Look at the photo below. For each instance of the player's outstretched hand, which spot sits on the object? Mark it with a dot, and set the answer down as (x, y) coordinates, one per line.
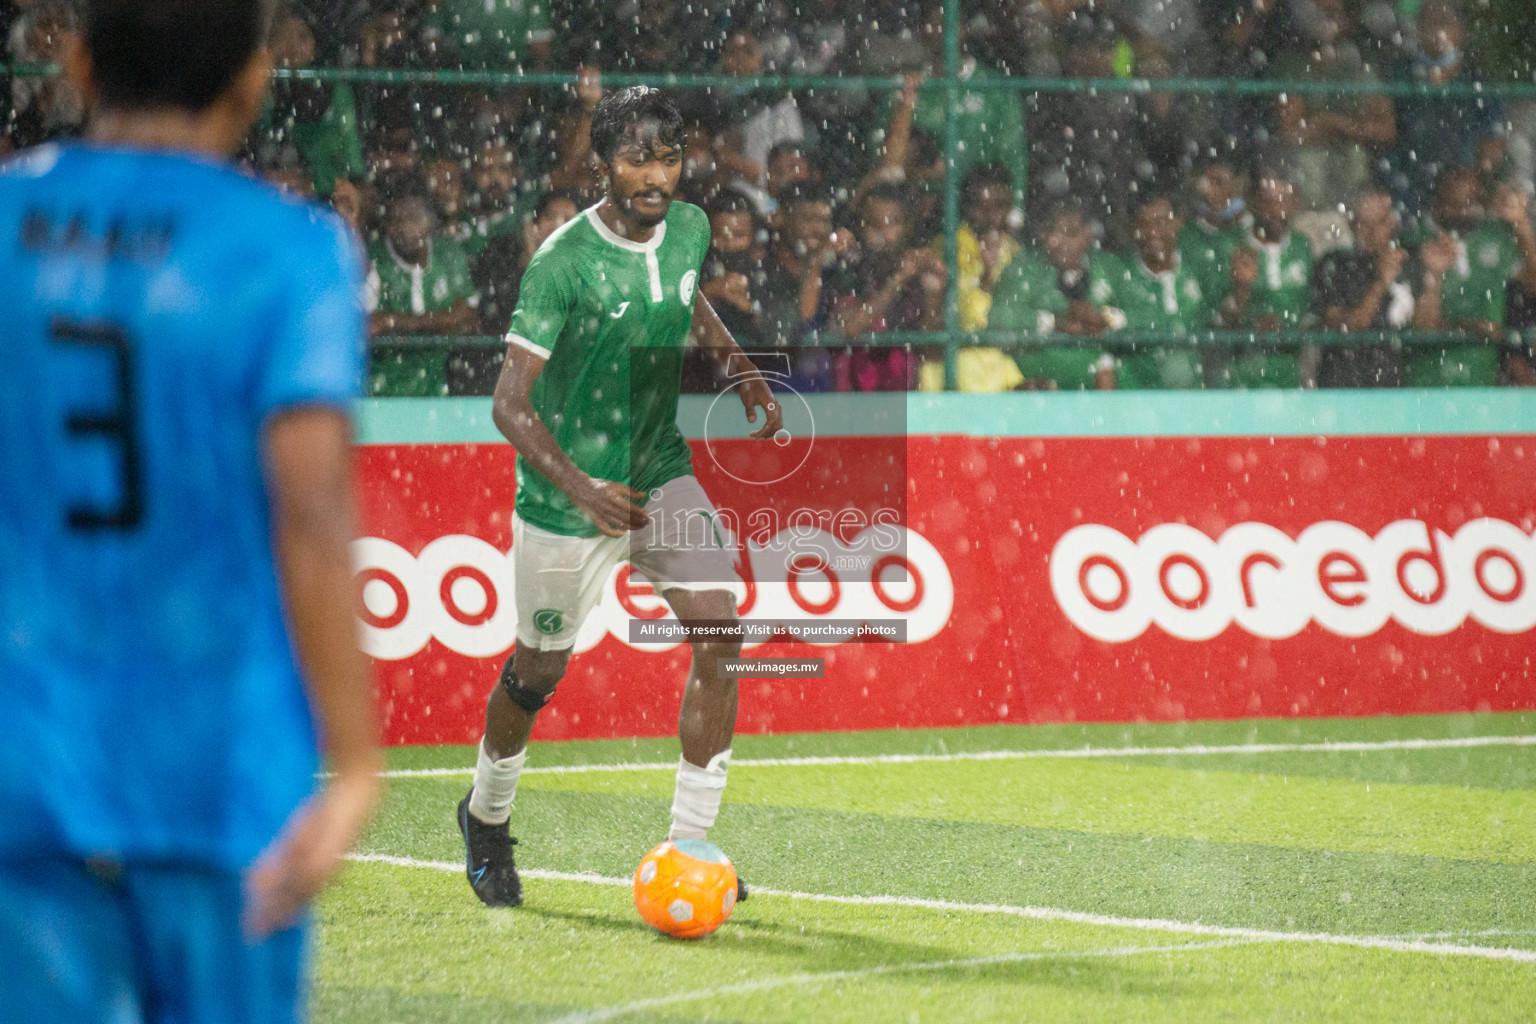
(756, 394)
(304, 858)
(613, 507)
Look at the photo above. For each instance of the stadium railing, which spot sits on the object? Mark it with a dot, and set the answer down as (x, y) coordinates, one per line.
(952, 339)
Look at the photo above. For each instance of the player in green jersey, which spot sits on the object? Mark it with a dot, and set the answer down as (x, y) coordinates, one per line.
(588, 397)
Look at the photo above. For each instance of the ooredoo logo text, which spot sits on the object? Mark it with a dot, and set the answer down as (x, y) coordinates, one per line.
(1272, 585)
(461, 590)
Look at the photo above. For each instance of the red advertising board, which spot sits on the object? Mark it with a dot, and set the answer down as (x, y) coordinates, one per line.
(1051, 580)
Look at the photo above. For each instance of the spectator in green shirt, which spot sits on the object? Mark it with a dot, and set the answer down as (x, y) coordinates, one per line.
(1045, 291)
(492, 34)
(1150, 289)
(420, 277)
(1469, 260)
(990, 122)
(418, 283)
(317, 119)
(500, 200)
(330, 143)
(503, 220)
(497, 260)
(1271, 290)
(1220, 222)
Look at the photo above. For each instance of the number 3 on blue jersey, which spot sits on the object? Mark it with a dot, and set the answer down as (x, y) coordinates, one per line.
(115, 425)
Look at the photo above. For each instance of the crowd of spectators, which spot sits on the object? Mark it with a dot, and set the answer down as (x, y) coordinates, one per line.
(1094, 217)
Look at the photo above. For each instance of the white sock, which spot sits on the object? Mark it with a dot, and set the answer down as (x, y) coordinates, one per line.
(495, 786)
(696, 801)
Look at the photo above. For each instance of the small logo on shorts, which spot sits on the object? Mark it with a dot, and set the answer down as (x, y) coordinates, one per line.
(709, 517)
(548, 621)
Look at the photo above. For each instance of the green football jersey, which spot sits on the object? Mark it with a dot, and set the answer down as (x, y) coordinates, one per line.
(1284, 286)
(1208, 252)
(489, 33)
(1172, 302)
(332, 147)
(1283, 291)
(476, 234)
(989, 124)
(395, 286)
(612, 317)
(1028, 298)
(1473, 289)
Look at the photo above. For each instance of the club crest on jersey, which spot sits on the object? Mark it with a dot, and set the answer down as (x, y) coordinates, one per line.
(685, 289)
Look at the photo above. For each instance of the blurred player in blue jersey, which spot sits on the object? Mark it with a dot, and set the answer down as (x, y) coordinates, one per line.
(179, 351)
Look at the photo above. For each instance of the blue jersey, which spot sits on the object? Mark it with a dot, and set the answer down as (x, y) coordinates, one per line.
(159, 310)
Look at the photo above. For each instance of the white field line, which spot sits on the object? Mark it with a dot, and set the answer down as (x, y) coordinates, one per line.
(812, 980)
(1395, 945)
(1340, 747)
(1468, 934)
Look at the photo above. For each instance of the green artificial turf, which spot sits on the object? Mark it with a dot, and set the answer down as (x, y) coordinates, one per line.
(1432, 844)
